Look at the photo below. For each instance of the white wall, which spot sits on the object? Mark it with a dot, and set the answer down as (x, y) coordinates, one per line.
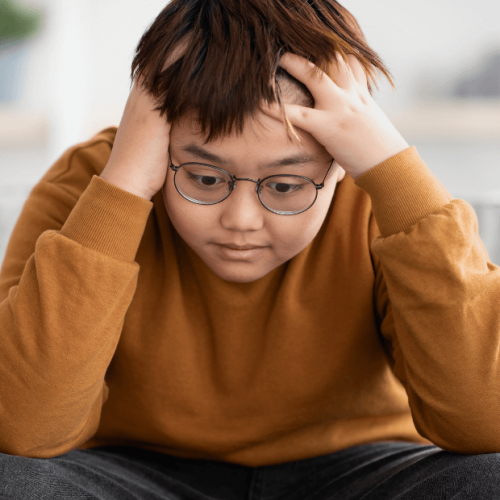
(435, 39)
(78, 73)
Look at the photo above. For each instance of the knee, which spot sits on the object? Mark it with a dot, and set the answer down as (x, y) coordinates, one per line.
(479, 475)
(485, 468)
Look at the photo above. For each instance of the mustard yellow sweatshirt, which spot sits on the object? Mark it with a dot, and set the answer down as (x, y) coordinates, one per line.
(114, 332)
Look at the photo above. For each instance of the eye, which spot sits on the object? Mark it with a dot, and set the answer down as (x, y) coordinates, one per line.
(206, 180)
(284, 188)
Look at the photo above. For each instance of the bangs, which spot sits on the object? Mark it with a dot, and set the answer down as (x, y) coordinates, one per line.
(232, 51)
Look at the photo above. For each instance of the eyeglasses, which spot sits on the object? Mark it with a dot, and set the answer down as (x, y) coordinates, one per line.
(283, 194)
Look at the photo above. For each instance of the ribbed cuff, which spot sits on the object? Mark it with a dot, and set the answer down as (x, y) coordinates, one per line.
(403, 191)
(108, 220)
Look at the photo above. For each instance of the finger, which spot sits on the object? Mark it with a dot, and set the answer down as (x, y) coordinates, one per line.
(358, 70)
(318, 82)
(340, 72)
(272, 110)
(298, 116)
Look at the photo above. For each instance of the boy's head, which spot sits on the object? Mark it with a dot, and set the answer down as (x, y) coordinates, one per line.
(213, 96)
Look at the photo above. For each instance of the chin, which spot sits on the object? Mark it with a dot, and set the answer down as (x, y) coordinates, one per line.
(239, 273)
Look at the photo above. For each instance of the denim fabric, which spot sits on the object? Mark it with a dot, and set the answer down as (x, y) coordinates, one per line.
(376, 471)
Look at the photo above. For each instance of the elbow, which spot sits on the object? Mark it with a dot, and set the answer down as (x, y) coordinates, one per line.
(467, 436)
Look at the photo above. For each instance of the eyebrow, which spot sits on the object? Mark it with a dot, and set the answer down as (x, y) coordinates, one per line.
(295, 159)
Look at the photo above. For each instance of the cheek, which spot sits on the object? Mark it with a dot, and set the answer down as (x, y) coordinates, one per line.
(299, 230)
(294, 233)
(291, 234)
(191, 221)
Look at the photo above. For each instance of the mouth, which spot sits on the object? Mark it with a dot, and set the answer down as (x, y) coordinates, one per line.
(233, 246)
(232, 252)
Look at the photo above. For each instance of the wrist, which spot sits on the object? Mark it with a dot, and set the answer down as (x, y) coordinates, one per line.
(125, 185)
(391, 150)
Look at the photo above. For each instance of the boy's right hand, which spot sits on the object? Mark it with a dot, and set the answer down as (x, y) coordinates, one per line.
(139, 158)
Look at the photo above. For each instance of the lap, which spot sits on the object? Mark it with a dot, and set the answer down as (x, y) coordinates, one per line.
(105, 473)
(441, 475)
(385, 471)
(376, 471)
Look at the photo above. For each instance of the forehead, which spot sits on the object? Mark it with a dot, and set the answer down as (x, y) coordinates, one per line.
(297, 158)
(261, 136)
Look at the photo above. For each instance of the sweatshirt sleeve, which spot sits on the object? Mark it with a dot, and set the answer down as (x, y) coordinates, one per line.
(437, 299)
(67, 280)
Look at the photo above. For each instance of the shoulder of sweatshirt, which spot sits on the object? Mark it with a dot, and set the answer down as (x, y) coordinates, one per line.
(74, 169)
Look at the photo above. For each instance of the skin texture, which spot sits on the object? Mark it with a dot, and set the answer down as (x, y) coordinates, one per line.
(139, 158)
(241, 219)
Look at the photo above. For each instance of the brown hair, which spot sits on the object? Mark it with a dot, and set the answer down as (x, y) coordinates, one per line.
(230, 63)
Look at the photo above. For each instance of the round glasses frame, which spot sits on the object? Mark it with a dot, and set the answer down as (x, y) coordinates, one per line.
(232, 186)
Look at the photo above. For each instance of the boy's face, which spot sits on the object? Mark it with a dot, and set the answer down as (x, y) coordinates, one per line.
(241, 219)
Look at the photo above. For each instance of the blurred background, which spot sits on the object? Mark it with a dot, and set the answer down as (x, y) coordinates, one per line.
(64, 76)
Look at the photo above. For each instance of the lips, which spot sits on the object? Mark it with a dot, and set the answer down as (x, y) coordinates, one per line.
(233, 246)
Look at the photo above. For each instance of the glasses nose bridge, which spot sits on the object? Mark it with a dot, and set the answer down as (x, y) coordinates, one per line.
(257, 182)
(245, 179)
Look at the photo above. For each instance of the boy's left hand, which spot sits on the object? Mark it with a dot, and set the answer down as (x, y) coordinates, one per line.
(345, 118)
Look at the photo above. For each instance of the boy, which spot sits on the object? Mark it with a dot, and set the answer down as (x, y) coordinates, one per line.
(191, 310)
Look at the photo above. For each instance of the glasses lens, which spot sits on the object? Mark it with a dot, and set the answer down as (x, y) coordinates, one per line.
(202, 183)
(287, 194)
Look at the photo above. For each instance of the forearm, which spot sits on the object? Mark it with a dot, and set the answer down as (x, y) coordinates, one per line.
(443, 294)
(60, 328)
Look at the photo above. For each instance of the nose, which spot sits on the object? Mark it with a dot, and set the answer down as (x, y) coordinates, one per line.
(242, 210)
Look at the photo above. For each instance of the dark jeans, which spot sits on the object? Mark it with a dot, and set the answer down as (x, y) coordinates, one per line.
(383, 470)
